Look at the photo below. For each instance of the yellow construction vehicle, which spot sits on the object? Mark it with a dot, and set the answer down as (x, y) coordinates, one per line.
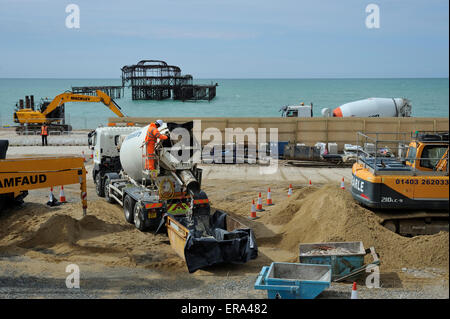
(410, 192)
(19, 175)
(53, 112)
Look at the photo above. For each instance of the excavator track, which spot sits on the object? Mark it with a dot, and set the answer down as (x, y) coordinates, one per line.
(415, 223)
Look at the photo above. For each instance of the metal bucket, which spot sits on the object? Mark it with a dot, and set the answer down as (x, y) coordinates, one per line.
(293, 280)
(343, 257)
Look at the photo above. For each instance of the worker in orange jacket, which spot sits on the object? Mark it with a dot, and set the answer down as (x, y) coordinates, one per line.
(150, 140)
(44, 134)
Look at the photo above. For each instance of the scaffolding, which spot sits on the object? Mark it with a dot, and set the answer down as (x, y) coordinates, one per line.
(156, 80)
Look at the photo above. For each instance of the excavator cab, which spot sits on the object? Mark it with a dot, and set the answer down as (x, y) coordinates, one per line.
(428, 152)
(409, 193)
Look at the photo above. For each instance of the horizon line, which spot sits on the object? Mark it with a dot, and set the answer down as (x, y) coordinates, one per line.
(236, 78)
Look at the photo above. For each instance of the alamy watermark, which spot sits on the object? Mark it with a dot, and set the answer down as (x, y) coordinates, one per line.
(73, 280)
(373, 279)
(73, 17)
(238, 146)
(373, 19)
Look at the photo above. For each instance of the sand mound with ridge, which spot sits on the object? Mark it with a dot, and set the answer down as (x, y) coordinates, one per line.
(64, 229)
(329, 214)
(315, 214)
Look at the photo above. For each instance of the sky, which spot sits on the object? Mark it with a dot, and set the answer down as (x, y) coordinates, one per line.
(226, 38)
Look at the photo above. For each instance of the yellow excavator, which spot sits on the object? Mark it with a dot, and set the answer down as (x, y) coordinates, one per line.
(409, 192)
(53, 112)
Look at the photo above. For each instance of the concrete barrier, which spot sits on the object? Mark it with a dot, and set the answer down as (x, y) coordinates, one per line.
(55, 140)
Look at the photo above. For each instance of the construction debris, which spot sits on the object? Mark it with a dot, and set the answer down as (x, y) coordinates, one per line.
(329, 251)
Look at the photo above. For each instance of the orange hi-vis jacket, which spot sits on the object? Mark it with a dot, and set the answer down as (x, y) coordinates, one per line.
(44, 130)
(150, 139)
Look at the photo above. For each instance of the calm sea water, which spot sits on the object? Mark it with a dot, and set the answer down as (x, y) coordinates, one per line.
(235, 98)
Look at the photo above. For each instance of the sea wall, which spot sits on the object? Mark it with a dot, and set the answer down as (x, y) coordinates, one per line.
(307, 130)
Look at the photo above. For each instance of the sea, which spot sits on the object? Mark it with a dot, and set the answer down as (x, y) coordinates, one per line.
(235, 97)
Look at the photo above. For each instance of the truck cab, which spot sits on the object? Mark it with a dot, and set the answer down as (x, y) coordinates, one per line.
(105, 145)
(297, 110)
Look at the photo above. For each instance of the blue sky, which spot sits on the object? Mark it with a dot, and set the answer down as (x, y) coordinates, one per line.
(226, 38)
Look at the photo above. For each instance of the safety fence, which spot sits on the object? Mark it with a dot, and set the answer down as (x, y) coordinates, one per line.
(55, 139)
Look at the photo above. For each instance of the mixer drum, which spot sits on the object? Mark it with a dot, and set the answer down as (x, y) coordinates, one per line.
(131, 154)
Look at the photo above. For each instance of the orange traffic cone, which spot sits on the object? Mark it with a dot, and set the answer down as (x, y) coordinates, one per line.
(310, 182)
(290, 190)
(269, 198)
(62, 197)
(253, 211)
(259, 207)
(354, 292)
(342, 184)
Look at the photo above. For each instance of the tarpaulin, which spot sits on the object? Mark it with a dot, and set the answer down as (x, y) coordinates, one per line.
(220, 245)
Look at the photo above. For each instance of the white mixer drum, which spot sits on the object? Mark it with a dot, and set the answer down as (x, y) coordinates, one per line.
(372, 107)
(131, 153)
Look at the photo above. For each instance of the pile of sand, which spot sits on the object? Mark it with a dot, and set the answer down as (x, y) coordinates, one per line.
(62, 234)
(64, 229)
(324, 214)
(329, 214)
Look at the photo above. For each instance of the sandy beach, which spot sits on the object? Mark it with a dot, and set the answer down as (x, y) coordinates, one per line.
(37, 242)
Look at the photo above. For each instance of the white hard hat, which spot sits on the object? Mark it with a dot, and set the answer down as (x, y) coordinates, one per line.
(159, 122)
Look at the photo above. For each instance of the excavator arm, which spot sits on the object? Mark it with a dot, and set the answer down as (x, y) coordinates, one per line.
(73, 97)
(442, 165)
(110, 103)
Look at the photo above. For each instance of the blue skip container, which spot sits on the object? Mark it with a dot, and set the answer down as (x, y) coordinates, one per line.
(344, 257)
(293, 280)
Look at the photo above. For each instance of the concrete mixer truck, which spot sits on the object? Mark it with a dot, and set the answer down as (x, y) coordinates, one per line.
(170, 197)
(120, 177)
(371, 107)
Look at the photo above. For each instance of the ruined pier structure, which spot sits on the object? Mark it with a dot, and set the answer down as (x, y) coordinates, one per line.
(115, 92)
(156, 80)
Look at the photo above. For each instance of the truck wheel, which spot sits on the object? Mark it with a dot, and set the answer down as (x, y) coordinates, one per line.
(153, 223)
(106, 190)
(139, 220)
(99, 188)
(128, 209)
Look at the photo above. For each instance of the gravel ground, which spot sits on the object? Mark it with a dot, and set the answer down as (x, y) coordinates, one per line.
(98, 281)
